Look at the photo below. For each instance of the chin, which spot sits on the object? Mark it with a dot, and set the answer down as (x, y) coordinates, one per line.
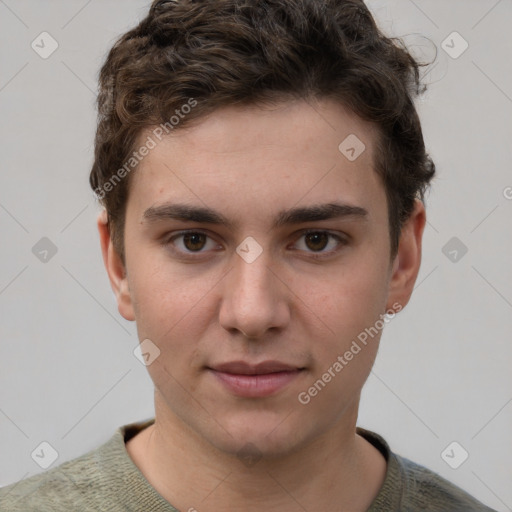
(262, 433)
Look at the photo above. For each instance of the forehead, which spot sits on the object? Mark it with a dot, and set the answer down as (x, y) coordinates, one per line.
(294, 152)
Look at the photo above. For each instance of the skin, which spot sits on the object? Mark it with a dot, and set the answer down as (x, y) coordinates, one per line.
(208, 307)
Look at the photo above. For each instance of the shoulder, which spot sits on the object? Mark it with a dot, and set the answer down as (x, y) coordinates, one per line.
(77, 484)
(60, 488)
(409, 486)
(419, 488)
(426, 490)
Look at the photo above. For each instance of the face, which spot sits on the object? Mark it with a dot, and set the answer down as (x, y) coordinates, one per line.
(251, 238)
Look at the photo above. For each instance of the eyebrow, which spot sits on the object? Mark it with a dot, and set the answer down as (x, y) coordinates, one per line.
(297, 215)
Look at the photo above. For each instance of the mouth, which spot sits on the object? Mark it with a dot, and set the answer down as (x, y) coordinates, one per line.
(253, 381)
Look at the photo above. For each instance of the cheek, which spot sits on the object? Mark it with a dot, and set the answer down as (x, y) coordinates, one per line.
(349, 308)
(173, 314)
(350, 301)
(174, 310)
(166, 300)
(344, 357)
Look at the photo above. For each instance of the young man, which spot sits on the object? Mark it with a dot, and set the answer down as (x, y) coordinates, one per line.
(263, 171)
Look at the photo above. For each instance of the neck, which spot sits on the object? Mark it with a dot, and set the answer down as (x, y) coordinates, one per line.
(337, 471)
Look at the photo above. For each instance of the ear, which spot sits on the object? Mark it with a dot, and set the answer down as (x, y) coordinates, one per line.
(406, 264)
(115, 269)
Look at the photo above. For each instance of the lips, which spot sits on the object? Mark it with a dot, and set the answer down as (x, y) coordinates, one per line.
(243, 368)
(254, 381)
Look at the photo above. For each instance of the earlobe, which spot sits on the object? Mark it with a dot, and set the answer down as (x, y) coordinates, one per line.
(407, 262)
(115, 269)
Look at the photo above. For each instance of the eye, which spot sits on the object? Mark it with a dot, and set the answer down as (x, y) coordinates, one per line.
(191, 242)
(316, 243)
(322, 242)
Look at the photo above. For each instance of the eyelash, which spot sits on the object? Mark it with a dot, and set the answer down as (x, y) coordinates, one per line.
(169, 241)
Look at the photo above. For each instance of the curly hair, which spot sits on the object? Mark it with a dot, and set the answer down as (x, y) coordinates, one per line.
(212, 54)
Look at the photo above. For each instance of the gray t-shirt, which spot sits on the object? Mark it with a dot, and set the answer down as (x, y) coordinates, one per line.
(106, 479)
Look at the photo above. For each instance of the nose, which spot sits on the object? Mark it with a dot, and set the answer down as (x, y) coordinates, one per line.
(255, 300)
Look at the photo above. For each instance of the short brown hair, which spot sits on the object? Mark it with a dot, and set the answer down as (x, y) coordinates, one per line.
(249, 52)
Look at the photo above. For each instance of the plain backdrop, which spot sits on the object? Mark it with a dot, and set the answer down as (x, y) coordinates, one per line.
(68, 375)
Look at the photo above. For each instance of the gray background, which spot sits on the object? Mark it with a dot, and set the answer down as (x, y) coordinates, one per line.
(68, 375)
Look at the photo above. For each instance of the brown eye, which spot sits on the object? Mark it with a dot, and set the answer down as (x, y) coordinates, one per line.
(317, 241)
(191, 244)
(194, 241)
(320, 244)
